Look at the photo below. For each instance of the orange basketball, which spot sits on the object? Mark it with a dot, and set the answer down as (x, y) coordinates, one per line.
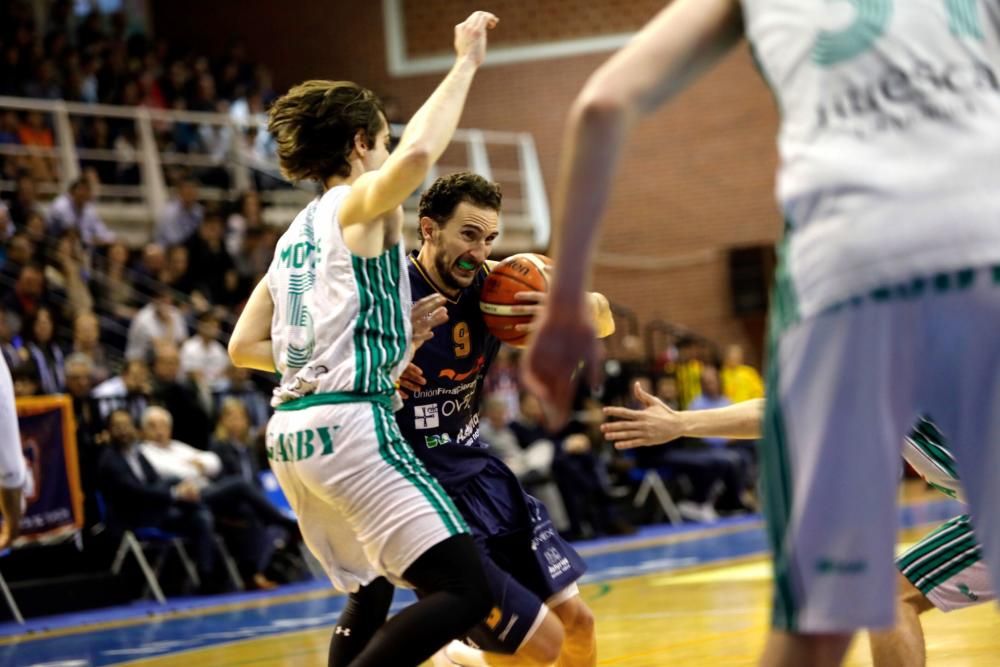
(517, 273)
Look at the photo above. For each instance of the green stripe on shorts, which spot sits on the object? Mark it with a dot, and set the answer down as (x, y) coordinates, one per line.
(398, 454)
(776, 478)
(941, 555)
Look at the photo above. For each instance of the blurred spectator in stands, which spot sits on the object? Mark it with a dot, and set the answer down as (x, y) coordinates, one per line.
(250, 112)
(181, 216)
(9, 333)
(44, 352)
(75, 209)
(67, 271)
(158, 320)
(234, 442)
(87, 343)
(245, 217)
(178, 275)
(29, 293)
(35, 134)
(740, 382)
(36, 229)
(96, 135)
(6, 224)
(43, 83)
(130, 390)
(212, 269)
(229, 496)
(152, 263)
(204, 360)
(25, 377)
(502, 381)
(687, 370)
(137, 496)
(114, 287)
(126, 168)
(239, 384)
(711, 396)
(79, 372)
(20, 250)
(179, 396)
(25, 200)
(9, 124)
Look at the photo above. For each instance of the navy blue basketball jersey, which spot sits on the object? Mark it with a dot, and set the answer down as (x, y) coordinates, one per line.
(441, 422)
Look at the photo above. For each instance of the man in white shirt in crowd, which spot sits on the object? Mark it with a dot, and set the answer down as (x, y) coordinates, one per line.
(171, 458)
(203, 358)
(75, 209)
(160, 319)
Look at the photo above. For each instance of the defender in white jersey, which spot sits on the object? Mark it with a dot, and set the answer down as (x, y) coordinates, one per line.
(332, 316)
(887, 295)
(944, 570)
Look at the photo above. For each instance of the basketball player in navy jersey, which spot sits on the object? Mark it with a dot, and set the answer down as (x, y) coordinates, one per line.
(540, 618)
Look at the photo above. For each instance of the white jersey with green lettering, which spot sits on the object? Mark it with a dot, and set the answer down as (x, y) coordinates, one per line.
(889, 141)
(341, 323)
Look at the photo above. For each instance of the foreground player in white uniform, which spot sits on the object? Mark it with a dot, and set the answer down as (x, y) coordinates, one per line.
(333, 316)
(944, 570)
(13, 472)
(887, 299)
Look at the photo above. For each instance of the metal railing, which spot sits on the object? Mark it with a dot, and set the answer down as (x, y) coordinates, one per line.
(213, 147)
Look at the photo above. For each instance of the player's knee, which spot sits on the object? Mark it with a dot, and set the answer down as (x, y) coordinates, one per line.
(577, 619)
(545, 645)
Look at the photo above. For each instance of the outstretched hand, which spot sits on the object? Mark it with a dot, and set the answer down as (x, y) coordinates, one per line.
(655, 424)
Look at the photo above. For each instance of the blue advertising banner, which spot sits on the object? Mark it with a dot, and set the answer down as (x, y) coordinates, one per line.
(53, 494)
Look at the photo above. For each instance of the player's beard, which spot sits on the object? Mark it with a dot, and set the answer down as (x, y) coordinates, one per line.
(444, 270)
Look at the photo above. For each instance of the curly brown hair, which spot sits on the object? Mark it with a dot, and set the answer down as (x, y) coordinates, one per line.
(441, 199)
(314, 125)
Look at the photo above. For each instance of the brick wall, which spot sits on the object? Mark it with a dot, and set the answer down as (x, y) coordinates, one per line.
(697, 177)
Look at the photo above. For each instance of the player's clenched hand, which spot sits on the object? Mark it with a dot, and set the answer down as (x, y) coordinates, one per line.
(411, 380)
(470, 36)
(656, 424)
(564, 338)
(532, 303)
(426, 314)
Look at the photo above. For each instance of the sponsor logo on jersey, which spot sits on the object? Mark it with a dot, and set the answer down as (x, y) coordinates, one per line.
(426, 416)
(898, 98)
(558, 564)
(433, 441)
(452, 374)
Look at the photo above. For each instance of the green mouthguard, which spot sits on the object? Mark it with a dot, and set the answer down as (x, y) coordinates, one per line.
(466, 265)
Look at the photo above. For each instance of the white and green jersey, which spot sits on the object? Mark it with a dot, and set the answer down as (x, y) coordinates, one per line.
(341, 323)
(925, 449)
(889, 141)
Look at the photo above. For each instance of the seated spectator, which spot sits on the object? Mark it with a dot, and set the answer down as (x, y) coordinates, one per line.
(179, 277)
(44, 353)
(29, 293)
(182, 215)
(212, 269)
(158, 320)
(179, 396)
(740, 382)
(234, 443)
(138, 497)
(13, 354)
(78, 371)
(66, 271)
(25, 377)
(34, 133)
(20, 250)
(152, 262)
(87, 342)
(131, 390)
(75, 209)
(203, 358)
(239, 384)
(246, 217)
(229, 496)
(114, 291)
(25, 202)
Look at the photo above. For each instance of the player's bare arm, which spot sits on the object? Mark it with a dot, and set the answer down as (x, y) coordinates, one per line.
(681, 42)
(658, 423)
(250, 344)
(10, 509)
(427, 134)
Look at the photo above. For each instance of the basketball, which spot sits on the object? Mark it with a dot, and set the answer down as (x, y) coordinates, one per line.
(518, 273)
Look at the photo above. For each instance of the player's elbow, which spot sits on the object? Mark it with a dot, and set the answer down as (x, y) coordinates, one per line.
(600, 107)
(414, 159)
(237, 349)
